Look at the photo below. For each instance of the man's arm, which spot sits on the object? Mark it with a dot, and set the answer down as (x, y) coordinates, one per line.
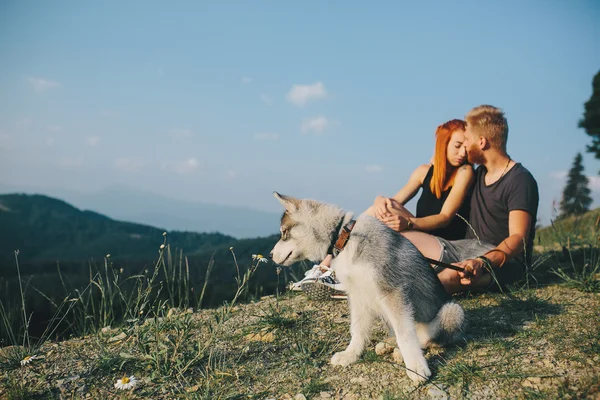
(519, 222)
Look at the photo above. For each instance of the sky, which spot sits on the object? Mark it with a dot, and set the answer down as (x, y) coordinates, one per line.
(226, 102)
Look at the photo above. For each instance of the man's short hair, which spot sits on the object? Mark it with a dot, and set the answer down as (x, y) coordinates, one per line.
(489, 122)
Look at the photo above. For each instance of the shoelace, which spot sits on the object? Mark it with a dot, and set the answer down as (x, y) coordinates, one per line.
(312, 273)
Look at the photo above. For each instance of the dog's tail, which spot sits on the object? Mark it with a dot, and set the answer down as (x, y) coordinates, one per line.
(448, 325)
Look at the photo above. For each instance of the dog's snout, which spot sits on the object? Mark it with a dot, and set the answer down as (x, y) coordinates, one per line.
(271, 255)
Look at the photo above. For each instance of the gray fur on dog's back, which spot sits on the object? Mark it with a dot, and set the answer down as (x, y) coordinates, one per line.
(403, 268)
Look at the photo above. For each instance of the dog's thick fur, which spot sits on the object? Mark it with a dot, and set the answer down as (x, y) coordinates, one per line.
(383, 274)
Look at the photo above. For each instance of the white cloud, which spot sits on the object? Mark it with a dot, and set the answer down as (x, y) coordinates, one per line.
(316, 124)
(108, 113)
(186, 166)
(181, 132)
(231, 174)
(49, 141)
(93, 141)
(5, 141)
(246, 80)
(70, 162)
(41, 84)
(266, 99)
(129, 165)
(266, 136)
(299, 95)
(558, 175)
(374, 168)
(53, 128)
(594, 182)
(561, 177)
(24, 123)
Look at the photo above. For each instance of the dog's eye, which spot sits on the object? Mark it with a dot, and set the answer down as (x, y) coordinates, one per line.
(284, 234)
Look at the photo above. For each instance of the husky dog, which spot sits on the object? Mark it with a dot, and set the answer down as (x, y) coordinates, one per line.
(384, 276)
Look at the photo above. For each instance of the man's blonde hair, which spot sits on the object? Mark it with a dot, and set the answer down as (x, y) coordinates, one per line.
(489, 122)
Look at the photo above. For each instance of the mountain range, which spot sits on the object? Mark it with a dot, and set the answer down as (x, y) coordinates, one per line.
(128, 204)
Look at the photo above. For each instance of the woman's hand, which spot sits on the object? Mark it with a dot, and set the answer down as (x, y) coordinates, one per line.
(396, 222)
(381, 207)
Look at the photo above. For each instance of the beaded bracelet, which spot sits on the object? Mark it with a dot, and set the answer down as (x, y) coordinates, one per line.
(487, 260)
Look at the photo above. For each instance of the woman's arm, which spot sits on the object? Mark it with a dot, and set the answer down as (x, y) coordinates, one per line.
(462, 182)
(383, 206)
(413, 185)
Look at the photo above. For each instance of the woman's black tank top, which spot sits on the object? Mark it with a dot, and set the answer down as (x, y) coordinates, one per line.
(428, 204)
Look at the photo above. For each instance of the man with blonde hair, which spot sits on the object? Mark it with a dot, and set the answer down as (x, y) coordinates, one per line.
(504, 208)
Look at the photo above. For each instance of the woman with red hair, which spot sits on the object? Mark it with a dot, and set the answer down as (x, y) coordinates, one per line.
(446, 186)
(445, 182)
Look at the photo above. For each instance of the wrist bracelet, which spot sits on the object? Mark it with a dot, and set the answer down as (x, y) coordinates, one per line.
(486, 261)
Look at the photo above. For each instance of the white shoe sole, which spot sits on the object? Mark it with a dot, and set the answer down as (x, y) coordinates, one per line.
(316, 290)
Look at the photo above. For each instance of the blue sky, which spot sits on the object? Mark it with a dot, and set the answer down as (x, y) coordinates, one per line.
(224, 102)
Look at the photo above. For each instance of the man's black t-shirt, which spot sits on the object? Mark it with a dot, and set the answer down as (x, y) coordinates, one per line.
(490, 205)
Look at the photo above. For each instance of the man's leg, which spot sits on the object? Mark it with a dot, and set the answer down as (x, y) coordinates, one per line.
(430, 246)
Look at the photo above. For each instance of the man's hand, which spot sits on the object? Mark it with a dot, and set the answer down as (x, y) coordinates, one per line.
(473, 270)
(396, 222)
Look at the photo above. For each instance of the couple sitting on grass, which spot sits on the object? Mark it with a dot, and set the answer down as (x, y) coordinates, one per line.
(499, 200)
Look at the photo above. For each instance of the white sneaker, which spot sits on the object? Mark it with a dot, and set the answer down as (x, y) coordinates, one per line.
(325, 287)
(312, 274)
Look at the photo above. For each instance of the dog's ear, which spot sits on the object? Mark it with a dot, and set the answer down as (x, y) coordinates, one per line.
(291, 204)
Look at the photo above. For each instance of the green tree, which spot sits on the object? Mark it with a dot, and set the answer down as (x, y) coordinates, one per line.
(576, 195)
(591, 117)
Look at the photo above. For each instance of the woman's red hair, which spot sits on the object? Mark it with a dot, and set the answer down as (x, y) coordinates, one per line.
(443, 172)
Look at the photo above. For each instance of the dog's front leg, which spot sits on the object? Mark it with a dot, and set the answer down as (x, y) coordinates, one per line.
(403, 324)
(361, 321)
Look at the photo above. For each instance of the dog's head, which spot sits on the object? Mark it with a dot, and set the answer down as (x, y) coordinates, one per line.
(307, 228)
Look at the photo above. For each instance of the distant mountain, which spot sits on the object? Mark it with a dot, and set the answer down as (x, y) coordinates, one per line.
(124, 203)
(46, 229)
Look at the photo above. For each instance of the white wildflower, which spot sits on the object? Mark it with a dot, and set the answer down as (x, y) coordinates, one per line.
(28, 359)
(259, 258)
(126, 383)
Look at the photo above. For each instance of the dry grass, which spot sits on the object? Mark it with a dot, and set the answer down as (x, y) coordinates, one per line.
(540, 340)
(533, 343)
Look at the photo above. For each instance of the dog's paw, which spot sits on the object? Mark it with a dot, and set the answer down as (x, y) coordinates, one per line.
(344, 358)
(383, 348)
(397, 356)
(418, 371)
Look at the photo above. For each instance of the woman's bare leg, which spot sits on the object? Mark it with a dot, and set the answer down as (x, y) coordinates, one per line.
(427, 244)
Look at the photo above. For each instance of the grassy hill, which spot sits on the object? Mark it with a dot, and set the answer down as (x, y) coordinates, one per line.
(45, 229)
(63, 250)
(537, 339)
(576, 230)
